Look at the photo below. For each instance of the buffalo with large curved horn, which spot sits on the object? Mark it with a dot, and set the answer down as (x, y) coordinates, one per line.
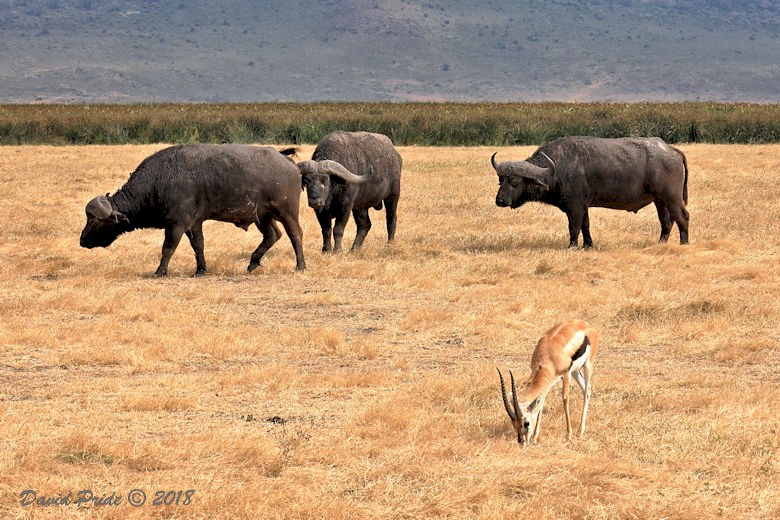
(349, 174)
(179, 187)
(625, 174)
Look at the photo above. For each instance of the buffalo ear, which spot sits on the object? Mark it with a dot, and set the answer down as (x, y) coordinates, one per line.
(119, 217)
(537, 181)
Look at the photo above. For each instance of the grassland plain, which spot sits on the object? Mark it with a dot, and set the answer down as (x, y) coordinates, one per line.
(365, 387)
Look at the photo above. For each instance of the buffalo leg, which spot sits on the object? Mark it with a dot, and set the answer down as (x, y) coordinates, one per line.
(325, 224)
(270, 233)
(173, 235)
(680, 215)
(587, 242)
(363, 223)
(666, 220)
(391, 208)
(295, 233)
(575, 225)
(195, 234)
(338, 229)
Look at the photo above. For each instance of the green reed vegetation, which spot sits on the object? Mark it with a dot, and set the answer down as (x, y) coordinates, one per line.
(444, 124)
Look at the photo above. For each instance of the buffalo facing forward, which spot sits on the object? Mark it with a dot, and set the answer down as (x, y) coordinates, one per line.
(351, 172)
(576, 173)
(178, 188)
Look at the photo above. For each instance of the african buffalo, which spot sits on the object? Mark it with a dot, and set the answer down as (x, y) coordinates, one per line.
(352, 172)
(576, 173)
(177, 188)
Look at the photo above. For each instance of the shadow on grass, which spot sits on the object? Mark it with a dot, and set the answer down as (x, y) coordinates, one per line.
(494, 243)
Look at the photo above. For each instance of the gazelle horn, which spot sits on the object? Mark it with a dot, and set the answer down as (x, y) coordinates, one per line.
(503, 395)
(514, 395)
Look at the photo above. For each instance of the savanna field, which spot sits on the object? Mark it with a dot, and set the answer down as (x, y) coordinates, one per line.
(366, 386)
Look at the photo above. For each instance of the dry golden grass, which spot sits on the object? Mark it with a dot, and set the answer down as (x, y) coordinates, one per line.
(365, 387)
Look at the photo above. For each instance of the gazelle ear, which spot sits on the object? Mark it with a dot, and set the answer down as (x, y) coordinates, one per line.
(533, 405)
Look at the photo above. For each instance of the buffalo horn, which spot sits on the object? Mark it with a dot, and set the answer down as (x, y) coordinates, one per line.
(335, 168)
(503, 395)
(308, 167)
(493, 161)
(100, 207)
(552, 163)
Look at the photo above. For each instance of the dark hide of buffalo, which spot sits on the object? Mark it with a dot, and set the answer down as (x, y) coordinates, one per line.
(351, 172)
(178, 188)
(577, 173)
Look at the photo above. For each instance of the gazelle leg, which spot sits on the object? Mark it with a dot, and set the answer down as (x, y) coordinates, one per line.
(586, 371)
(538, 426)
(566, 383)
(580, 380)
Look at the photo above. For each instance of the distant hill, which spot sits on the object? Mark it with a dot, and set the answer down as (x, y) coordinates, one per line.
(86, 51)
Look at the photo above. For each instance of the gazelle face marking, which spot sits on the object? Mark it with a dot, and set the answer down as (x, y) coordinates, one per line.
(526, 423)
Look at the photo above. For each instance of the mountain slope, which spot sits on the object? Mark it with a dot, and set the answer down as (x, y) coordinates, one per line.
(147, 50)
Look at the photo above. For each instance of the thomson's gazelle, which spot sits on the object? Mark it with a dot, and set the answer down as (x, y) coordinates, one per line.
(564, 351)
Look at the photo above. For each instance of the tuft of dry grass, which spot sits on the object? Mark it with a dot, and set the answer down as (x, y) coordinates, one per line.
(365, 387)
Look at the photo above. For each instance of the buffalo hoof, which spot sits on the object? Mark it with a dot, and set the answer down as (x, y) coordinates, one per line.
(199, 273)
(160, 274)
(252, 266)
(300, 266)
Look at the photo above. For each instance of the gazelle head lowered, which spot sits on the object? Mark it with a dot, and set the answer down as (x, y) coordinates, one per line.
(523, 415)
(565, 351)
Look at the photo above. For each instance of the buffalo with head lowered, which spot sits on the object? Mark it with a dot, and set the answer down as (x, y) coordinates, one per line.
(179, 187)
(577, 173)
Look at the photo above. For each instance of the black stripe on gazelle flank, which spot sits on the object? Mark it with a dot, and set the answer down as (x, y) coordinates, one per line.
(581, 351)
